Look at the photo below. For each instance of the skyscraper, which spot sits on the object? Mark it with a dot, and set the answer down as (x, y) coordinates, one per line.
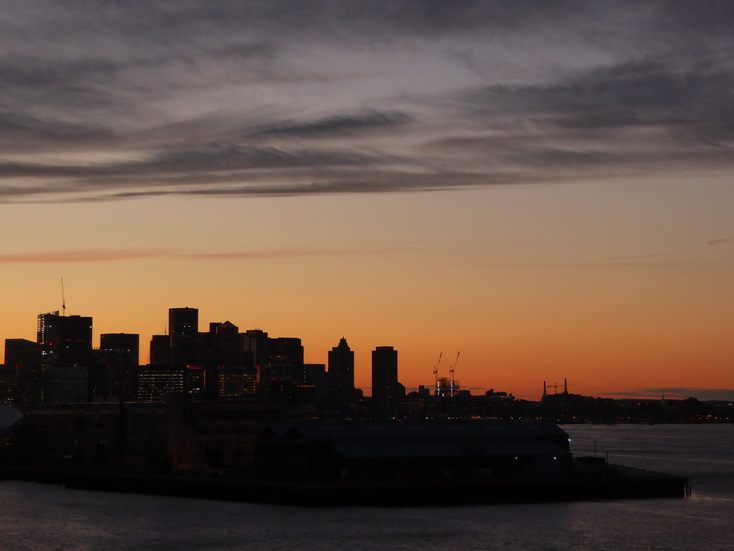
(386, 390)
(225, 344)
(341, 373)
(160, 350)
(183, 329)
(286, 360)
(24, 358)
(125, 347)
(65, 340)
(119, 353)
(256, 351)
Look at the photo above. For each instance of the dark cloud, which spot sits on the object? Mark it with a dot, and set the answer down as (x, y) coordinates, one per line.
(215, 158)
(629, 118)
(336, 125)
(209, 163)
(288, 97)
(631, 94)
(22, 132)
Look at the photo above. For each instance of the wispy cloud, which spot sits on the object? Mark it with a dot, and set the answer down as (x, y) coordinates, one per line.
(338, 125)
(107, 255)
(291, 97)
(717, 242)
(87, 255)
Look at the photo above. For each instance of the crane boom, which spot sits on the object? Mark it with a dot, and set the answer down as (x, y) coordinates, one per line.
(435, 371)
(452, 370)
(63, 299)
(453, 367)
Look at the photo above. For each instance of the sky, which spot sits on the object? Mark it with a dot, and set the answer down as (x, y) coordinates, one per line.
(543, 189)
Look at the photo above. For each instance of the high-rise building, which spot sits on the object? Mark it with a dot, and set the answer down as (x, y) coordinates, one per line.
(183, 330)
(160, 350)
(67, 384)
(286, 360)
(341, 373)
(119, 354)
(236, 382)
(24, 357)
(65, 340)
(154, 384)
(256, 351)
(124, 345)
(386, 390)
(225, 344)
(315, 375)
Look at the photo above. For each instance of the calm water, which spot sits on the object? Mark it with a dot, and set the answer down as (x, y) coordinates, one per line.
(35, 516)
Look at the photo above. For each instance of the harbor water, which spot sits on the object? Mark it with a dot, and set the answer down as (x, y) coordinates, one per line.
(41, 517)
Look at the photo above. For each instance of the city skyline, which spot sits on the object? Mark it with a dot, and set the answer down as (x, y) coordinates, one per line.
(185, 321)
(545, 187)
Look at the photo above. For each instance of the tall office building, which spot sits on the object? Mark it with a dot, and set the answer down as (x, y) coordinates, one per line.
(386, 390)
(65, 340)
(340, 376)
(119, 356)
(286, 360)
(125, 347)
(255, 352)
(183, 330)
(236, 382)
(24, 357)
(225, 344)
(160, 350)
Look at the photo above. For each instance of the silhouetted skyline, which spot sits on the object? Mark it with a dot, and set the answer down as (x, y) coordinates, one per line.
(544, 186)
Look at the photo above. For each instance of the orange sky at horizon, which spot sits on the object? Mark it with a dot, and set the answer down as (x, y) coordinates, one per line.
(613, 309)
(545, 187)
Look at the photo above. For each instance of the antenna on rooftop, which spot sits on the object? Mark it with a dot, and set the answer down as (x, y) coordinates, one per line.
(63, 299)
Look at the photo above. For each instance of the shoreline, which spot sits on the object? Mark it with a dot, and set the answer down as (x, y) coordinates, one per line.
(616, 482)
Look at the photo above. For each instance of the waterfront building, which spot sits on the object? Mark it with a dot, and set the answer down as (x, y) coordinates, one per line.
(390, 451)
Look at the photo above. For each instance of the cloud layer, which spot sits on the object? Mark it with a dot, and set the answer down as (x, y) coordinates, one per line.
(104, 101)
(106, 255)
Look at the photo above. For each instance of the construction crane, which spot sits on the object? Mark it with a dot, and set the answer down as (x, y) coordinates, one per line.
(63, 299)
(555, 387)
(435, 373)
(451, 372)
